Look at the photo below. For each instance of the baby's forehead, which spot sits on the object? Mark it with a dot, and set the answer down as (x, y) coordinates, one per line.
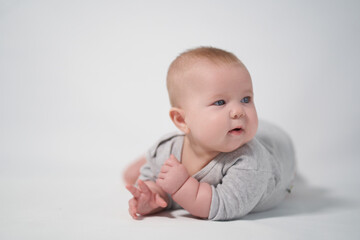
(206, 68)
(210, 80)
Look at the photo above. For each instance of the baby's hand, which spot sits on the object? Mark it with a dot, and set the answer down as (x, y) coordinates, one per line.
(144, 200)
(172, 175)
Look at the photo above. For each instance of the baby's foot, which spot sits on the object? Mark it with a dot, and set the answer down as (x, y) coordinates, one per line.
(132, 172)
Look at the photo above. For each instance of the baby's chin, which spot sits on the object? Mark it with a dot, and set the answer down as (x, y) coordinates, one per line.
(228, 149)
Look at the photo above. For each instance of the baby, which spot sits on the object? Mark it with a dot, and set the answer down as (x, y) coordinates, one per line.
(222, 165)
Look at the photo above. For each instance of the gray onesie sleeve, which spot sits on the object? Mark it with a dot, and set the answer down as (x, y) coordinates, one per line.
(238, 193)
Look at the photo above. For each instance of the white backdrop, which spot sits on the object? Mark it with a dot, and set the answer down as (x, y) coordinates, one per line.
(82, 93)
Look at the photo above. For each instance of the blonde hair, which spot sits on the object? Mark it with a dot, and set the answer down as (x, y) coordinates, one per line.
(185, 60)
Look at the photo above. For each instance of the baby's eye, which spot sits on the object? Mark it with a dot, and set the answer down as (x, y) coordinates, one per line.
(245, 100)
(219, 103)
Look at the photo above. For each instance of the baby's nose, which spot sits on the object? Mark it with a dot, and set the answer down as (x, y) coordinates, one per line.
(237, 112)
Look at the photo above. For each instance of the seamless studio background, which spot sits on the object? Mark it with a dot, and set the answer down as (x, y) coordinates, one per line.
(82, 94)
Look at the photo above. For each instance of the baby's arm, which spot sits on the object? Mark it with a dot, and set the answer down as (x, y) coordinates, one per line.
(192, 195)
(147, 199)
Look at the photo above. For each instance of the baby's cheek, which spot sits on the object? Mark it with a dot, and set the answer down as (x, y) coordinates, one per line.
(210, 134)
(206, 127)
(253, 124)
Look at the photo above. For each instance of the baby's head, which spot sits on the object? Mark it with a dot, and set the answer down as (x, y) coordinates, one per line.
(212, 99)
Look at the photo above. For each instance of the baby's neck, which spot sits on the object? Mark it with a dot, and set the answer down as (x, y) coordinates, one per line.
(194, 157)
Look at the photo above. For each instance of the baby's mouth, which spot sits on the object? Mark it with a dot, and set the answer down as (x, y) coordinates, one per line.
(236, 131)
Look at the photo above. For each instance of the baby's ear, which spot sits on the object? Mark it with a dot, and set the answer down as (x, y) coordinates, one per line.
(177, 115)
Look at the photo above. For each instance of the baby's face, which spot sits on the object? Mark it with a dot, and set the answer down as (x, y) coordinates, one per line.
(219, 108)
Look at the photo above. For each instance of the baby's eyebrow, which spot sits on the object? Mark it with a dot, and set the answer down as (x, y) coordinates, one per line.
(216, 96)
(222, 95)
(249, 91)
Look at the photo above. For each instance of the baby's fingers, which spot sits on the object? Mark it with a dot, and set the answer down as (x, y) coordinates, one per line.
(133, 190)
(161, 183)
(165, 168)
(161, 175)
(143, 187)
(133, 208)
(172, 161)
(160, 201)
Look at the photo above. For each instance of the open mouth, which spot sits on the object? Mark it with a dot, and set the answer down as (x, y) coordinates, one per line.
(236, 131)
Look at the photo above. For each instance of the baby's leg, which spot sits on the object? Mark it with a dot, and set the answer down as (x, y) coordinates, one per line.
(132, 172)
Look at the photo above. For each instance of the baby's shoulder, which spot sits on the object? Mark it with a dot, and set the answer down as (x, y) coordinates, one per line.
(168, 144)
(272, 136)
